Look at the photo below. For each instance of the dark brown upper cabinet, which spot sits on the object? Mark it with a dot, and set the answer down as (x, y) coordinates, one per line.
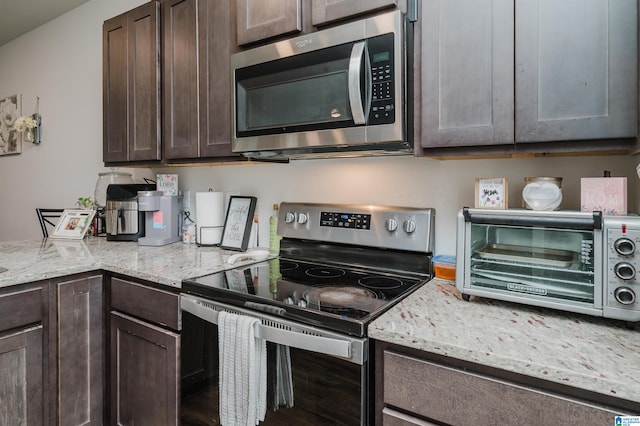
(326, 11)
(261, 20)
(197, 45)
(131, 86)
(517, 74)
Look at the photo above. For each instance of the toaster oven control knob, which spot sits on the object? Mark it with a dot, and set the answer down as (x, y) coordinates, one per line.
(289, 217)
(302, 218)
(624, 246)
(625, 271)
(625, 296)
(391, 225)
(409, 226)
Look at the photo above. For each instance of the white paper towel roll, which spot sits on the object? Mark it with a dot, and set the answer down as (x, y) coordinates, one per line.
(209, 217)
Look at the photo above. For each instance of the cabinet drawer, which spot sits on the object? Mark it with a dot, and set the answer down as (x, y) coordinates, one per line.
(20, 308)
(150, 304)
(395, 418)
(457, 397)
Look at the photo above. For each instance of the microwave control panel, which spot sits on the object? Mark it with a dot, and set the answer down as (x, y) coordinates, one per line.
(383, 99)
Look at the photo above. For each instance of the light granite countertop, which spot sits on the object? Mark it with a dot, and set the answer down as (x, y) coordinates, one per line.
(34, 260)
(585, 352)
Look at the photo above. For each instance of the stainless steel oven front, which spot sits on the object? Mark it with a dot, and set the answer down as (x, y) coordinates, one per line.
(315, 376)
(574, 261)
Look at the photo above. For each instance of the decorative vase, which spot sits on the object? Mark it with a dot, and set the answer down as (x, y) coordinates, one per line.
(29, 135)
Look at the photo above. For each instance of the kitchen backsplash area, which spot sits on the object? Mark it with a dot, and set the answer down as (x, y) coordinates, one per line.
(446, 185)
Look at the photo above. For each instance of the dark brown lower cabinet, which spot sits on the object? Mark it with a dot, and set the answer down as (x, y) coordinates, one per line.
(23, 361)
(144, 355)
(416, 391)
(21, 381)
(80, 351)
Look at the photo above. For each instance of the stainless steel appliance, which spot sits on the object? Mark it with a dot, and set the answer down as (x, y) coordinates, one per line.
(574, 261)
(163, 219)
(336, 92)
(125, 222)
(340, 266)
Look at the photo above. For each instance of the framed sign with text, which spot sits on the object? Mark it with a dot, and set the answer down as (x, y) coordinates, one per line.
(491, 193)
(237, 225)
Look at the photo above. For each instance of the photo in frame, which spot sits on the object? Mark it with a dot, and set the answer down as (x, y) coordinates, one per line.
(237, 224)
(491, 193)
(73, 224)
(10, 137)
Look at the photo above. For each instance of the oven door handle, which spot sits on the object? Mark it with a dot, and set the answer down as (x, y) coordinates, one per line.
(324, 345)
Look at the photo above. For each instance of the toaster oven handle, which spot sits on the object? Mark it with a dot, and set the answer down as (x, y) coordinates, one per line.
(355, 94)
(586, 223)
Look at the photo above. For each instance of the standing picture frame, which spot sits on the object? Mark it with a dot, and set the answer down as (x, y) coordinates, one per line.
(73, 224)
(237, 224)
(492, 193)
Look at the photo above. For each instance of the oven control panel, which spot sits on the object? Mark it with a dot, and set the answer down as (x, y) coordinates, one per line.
(621, 265)
(401, 228)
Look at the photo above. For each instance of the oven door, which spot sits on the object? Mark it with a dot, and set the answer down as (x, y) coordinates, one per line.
(314, 376)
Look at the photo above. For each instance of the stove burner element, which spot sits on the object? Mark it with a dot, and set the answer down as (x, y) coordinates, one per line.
(380, 283)
(325, 272)
(338, 296)
(286, 265)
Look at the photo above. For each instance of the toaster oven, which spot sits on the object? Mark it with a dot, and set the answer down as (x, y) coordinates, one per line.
(574, 261)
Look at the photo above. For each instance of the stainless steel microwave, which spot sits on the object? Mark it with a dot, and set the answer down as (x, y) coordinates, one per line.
(335, 92)
(574, 261)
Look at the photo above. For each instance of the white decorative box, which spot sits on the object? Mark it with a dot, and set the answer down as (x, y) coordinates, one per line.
(168, 184)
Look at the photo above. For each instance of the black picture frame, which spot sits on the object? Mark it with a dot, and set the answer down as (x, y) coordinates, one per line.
(238, 222)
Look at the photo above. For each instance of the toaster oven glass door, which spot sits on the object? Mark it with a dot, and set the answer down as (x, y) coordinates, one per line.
(539, 262)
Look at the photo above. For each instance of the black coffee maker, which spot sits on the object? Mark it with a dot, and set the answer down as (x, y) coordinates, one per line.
(124, 221)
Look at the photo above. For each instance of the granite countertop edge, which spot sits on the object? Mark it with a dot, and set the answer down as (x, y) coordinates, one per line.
(585, 352)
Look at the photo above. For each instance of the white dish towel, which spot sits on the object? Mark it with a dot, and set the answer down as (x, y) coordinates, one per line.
(243, 371)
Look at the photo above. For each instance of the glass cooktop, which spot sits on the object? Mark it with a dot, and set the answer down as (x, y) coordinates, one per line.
(340, 298)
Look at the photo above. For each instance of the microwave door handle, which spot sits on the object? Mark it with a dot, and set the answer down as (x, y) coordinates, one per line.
(355, 94)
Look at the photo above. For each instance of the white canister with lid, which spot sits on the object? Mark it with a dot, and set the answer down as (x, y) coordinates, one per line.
(542, 193)
(105, 179)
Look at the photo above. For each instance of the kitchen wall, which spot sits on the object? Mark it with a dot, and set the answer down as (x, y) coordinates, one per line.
(61, 62)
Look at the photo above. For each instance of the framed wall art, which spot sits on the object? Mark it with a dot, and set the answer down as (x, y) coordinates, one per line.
(237, 225)
(10, 137)
(73, 224)
(491, 193)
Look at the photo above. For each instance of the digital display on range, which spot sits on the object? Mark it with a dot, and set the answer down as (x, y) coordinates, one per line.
(345, 220)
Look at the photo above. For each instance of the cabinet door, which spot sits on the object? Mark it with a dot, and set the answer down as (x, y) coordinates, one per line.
(114, 90)
(21, 360)
(144, 82)
(217, 42)
(131, 85)
(460, 397)
(325, 11)
(262, 19)
(466, 76)
(576, 72)
(144, 373)
(181, 134)
(80, 351)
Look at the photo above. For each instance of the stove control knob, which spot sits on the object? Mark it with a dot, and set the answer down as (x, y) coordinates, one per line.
(391, 225)
(624, 246)
(409, 226)
(302, 218)
(625, 295)
(289, 217)
(625, 271)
